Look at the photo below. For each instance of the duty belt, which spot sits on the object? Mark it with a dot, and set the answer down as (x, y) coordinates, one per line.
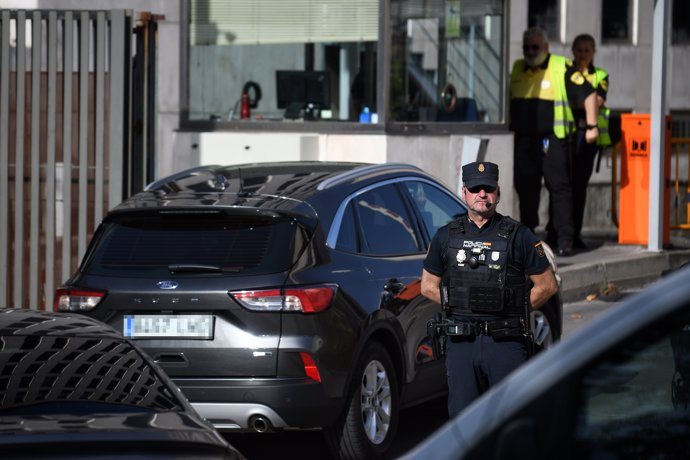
(509, 327)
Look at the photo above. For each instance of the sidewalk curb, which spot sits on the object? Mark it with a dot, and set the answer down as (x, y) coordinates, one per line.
(632, 269)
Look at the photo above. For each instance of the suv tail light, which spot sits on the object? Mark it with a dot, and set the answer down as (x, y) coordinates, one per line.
(305, 300)
(76, 299)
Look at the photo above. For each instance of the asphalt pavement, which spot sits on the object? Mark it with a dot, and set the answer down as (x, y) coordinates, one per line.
(606, 267)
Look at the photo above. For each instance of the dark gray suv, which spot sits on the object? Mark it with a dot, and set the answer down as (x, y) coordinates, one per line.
(281, 295)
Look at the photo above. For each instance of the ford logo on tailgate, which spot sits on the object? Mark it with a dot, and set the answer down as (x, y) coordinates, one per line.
(167, 285)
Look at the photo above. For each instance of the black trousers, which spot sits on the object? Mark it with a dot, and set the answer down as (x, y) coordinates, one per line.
(583, 165)
(473, 365)
(547, 157)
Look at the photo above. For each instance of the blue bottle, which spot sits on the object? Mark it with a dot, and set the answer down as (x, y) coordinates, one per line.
(365, 115)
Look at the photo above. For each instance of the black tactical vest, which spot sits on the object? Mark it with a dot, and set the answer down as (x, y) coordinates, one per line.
(479, 277)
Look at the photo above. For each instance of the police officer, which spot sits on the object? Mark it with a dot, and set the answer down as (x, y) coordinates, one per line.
(584, 153)
(480, 268)
(541, 85)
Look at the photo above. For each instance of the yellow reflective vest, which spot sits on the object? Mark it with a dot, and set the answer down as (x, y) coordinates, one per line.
(551, 89)
(604, 139)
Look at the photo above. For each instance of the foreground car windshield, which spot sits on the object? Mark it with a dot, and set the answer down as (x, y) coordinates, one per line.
(44, 370)
(202, 243)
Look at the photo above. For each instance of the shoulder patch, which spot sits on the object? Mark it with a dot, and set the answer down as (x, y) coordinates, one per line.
(540, 250)
(577, 78)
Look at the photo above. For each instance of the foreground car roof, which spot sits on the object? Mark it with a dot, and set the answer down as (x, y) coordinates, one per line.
(19, 322)
(72, 387)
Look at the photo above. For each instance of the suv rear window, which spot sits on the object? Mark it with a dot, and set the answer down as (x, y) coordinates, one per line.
(229, 243)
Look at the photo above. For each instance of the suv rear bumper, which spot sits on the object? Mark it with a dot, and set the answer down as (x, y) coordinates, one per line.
(237, 404)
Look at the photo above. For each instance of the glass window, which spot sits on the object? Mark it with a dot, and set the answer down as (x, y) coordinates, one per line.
(436, 207)
(385, 227)
(544, 14)
(636, 401)
(616, 14)
(347, 234)
(224, 243)
(302, 59)
(274, 60)
(446, 60)
(680, 29)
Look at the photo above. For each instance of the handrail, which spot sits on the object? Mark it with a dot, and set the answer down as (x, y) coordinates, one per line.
(676, 151)
(614, 182)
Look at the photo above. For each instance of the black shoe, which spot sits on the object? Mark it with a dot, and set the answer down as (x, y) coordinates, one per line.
(564, 252)
(551, 240)
(579, 244)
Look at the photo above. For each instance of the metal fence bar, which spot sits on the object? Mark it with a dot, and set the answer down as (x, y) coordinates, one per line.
(116, 103)
(84, 26)
(99, 121)
(35, 199)
(68, 55)
(4, 149)
(20, 88)
(49, 226)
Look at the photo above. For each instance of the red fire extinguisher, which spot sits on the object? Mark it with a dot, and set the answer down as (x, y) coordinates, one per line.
(244, 108)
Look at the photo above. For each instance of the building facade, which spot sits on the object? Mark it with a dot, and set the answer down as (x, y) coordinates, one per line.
(415, 81)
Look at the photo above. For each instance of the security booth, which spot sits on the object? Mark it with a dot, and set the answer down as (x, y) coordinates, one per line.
(633, 220)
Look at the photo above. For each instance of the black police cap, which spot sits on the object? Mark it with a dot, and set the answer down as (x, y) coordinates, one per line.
(480, 173)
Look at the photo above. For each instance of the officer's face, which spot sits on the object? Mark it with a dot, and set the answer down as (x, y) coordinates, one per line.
(481, 200)
(583, 52)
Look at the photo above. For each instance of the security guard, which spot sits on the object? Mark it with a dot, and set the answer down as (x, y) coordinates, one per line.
(541, 85)
(584, 153)
(480, 268)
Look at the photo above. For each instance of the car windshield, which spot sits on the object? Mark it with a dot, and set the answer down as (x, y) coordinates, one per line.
(193, 243)
(46, 370)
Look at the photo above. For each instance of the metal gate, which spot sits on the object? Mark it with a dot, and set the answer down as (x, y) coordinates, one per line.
(66, 143)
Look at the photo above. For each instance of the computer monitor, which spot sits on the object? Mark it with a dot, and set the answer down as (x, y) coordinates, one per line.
(303, 87)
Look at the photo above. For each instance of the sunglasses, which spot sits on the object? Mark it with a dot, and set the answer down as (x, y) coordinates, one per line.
(531, 47)
(479, 188)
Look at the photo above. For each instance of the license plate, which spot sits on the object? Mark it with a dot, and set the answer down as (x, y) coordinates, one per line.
(169, 326)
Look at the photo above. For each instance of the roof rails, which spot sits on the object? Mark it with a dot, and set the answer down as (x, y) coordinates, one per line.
(180, 175)
(361, 170)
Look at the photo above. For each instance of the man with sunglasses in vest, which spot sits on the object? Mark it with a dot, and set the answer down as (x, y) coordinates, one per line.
(487, 271)
(541, 86)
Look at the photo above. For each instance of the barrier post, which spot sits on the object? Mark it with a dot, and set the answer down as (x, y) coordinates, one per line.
(633, 220)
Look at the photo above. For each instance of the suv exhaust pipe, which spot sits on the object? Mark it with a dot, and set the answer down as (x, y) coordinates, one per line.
(260, 424)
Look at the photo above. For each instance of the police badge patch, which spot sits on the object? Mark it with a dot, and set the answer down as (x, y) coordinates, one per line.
(461, 256)
(577, 78)
(540, 250)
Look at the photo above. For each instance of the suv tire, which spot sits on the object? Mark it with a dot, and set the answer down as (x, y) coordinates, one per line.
(370, 419)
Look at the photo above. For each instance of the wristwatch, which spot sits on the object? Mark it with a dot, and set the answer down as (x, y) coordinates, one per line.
(588, 127)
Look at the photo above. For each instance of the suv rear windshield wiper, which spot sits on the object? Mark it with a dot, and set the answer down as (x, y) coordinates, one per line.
(199, 268)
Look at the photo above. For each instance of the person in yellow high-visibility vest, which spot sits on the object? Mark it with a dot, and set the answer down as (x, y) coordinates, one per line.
(541, 84)
(585, 153)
